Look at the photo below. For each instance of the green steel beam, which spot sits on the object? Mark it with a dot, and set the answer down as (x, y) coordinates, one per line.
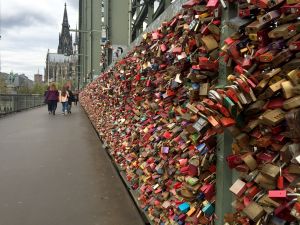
(90, 35)
(224, 174)
(161, 7)
(167, 3)
(118, 24)
(88, 43)
(150, 12)
(95, 35)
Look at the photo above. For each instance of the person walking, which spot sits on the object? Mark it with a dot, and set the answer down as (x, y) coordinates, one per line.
(52, 98)
(76, 98)
(70, 99)
(47, 102)
(63, 98)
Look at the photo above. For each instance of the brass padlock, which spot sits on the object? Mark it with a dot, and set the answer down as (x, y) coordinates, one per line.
(287, 89)
(271, 170)
(272, 117)
(254, 211)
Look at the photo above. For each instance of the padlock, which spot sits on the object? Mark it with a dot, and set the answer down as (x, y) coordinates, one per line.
(255, 27)
(273, 117)
(209, 43)
(238, 188)
(296, 210)
(271, 170)
(292, 103)
(250, 161)
(254, 211)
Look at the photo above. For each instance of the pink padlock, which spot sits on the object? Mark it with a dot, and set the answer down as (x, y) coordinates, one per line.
(212, 4)
(277, 193)
(182, 162)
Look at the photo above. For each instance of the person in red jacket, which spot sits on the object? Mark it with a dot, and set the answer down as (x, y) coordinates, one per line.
(52, 98)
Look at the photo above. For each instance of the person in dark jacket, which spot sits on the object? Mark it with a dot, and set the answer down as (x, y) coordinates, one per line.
(47, 102)
(52, 98)
(70, 99)
(76, 98)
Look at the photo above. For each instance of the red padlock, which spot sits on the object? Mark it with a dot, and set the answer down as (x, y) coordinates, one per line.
(212, 4)
(294, 46)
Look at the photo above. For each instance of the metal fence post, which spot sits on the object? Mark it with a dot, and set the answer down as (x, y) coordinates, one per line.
(224, 174)
(10, 103)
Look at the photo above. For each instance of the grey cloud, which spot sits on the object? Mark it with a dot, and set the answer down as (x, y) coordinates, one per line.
(37, 37)
(73, 3)
(32, 44)
(25, 19)
(29, 31)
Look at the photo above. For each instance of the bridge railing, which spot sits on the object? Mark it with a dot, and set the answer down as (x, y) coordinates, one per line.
(10, 103)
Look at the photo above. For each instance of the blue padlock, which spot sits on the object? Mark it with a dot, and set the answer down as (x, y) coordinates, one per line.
(200, 197)
(176, 218)
(184, 207)
(146, 208)
(208, 210)
(160, 171)
(195, 86)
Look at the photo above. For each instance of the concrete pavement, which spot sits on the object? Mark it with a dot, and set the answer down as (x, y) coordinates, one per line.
(53, 171)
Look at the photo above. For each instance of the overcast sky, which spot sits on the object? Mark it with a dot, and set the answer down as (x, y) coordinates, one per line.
(28, 29)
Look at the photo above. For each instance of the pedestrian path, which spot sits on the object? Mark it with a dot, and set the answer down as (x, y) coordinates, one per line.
(53, 171)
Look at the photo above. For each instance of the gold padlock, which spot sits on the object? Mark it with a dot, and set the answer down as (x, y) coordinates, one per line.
(272, 117)
(250, 161)
(292, 103)
(287, 89)
(272, 89)
(271, 170)
(209, 43)
(254, 211)
(294, 76)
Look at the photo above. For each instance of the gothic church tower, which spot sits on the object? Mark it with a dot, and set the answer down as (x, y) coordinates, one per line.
(65, 38)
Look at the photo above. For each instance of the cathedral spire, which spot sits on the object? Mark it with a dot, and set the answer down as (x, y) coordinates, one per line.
(65, 39)
(76, 37)
(65, 20)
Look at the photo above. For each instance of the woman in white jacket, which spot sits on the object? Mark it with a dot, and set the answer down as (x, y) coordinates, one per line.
(63, 98)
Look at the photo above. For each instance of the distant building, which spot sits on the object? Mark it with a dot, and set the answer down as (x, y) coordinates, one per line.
(65, 45)
(61, 67)
(15, 82)
(4, 81)
(21, 81)
(38, 78)
(4, 77)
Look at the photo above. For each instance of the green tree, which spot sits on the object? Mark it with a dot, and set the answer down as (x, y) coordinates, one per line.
(59, 85)
(2, 86)
(38, 88)
(24, 90)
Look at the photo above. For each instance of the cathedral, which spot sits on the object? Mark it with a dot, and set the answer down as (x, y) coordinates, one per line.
(61, 67)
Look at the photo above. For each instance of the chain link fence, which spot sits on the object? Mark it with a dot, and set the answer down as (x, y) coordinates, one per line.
(15, 103)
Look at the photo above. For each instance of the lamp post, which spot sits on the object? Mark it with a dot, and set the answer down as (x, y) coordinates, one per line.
(48, 68)
(85, 31)
(92, 63)
(79, 71)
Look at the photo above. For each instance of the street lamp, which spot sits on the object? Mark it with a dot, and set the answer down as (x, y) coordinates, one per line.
(85, 31)
(92, 63)
(48, 68)
(80, 70)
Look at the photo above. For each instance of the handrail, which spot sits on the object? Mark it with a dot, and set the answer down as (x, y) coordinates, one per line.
(11, 103)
